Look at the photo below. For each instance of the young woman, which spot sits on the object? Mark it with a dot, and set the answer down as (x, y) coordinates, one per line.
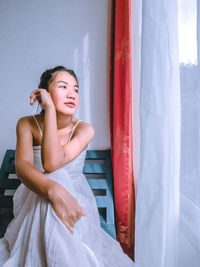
(56, 221)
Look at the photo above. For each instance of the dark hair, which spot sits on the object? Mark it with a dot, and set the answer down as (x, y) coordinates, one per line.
(47, 76)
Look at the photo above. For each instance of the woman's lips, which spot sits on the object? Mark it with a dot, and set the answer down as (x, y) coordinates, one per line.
(70, 104)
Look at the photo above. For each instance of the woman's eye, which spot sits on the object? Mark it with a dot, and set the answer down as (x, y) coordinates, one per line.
(76, 90)
(63, 86)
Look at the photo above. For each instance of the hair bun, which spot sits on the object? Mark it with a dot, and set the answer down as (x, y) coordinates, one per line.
(47, 76)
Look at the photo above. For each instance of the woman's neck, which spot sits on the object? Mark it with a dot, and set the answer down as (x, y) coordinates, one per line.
(64, 121)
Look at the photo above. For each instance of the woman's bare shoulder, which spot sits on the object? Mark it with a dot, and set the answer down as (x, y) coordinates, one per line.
(85, 126)
(26, 122)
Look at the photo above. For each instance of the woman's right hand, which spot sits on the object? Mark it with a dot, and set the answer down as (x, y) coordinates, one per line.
(42, 96)
(65, 206)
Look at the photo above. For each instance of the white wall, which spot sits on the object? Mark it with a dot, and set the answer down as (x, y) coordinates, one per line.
(36, 35)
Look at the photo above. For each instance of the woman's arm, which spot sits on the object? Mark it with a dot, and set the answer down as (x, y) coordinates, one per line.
(52, 150)
(54, 155)
(51, 147)
(64, 205)
(28, 174)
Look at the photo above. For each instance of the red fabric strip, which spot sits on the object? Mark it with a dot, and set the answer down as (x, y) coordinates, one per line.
(121, 123)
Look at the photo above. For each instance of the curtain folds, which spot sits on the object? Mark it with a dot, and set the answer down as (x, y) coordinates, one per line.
(157, 206)
(121, 123)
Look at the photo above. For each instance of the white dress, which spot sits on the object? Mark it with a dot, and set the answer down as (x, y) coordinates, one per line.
(36, 237)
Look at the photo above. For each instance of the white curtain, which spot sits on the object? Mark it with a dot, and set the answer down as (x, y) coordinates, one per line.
(157, 203)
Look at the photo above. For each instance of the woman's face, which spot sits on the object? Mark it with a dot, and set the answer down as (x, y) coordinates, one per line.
(64, 92)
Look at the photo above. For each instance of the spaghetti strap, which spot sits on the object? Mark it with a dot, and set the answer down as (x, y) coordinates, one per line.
(70, 134)
(38, 125)
(73, 130)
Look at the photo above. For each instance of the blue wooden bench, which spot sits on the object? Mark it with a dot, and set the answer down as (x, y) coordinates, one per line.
(98, 171)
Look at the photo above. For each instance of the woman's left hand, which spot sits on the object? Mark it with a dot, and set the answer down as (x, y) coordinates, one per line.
(42, 96)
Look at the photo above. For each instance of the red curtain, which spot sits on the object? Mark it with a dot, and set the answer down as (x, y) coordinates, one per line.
(121, 123)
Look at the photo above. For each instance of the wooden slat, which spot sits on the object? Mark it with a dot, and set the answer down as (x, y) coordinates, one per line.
(10, 184)
(97, 183)
(94, 168)
(96, 154)
(6, 201)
